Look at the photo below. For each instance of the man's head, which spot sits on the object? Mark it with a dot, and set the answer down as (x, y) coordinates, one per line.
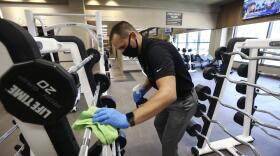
(125, 39)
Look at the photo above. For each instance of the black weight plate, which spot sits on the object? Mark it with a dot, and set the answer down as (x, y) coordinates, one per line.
(238, 118)
(242, 70)
(103, 81)
(202, 91)
(193, 127)
(241, 88)
(209, 73)
(121, 139)
(241, 102)
(19, 43)
(201, 108)
(96, 55)
(38, 91)
(107, 101)
(219, 52)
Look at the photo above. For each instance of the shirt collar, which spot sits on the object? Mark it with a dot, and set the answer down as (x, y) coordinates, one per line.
(144, 46)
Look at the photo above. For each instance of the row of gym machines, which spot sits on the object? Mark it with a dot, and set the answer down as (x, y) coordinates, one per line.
(194, 61)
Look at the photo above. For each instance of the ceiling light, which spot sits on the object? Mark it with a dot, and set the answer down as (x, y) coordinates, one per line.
(37, 1)
(13, 0)
(112, 3)
(93, 2)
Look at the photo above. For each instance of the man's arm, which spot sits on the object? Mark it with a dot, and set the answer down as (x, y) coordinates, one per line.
(165, 95)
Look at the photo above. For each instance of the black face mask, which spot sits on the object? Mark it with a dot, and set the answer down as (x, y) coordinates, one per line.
(129, 51)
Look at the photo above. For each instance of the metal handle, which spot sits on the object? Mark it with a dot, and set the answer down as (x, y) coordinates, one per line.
(83, 150)
(8, 133)
(75, 68)
(87, 133)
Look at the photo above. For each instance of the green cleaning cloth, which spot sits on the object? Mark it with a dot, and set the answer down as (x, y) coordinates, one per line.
(105, 133)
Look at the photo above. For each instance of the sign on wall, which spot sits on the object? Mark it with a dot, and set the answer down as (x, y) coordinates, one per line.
(174, 18)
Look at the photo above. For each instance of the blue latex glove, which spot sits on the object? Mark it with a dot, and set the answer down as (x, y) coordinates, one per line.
(112, 117)
(138, 93)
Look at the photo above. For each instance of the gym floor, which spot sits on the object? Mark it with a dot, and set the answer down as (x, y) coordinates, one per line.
(143, 140)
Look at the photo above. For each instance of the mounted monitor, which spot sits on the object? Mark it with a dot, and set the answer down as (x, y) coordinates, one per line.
(259, 8)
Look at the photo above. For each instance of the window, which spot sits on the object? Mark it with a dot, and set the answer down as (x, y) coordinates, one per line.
(271, 62)
(193, 37)
(193, 46)
(204, 42)
(182, 38)
(203, 48)
(192, 43)
(197, 41)
(258, 30)
(275, 31)
(205, 36)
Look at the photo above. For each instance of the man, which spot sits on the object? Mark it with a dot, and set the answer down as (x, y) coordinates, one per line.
(175, 101)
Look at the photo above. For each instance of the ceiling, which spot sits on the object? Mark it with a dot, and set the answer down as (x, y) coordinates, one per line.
(205, 2)
(36, 1)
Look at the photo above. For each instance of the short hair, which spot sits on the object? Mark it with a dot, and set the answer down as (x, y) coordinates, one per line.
(121, 29)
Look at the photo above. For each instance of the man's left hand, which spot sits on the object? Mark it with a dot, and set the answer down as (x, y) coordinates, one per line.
(112, 117)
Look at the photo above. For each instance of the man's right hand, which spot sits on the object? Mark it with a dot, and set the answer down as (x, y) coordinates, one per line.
(138, 93)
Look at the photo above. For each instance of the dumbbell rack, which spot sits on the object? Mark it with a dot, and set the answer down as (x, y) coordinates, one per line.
(229, 143)
(40, 141)
(32, 17)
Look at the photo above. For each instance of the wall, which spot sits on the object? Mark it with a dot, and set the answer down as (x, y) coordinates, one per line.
(231, 15)
(153, 13)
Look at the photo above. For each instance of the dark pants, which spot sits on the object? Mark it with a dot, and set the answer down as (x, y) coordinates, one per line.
(171, 123)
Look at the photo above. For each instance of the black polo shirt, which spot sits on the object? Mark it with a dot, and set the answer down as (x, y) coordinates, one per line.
(159, 59)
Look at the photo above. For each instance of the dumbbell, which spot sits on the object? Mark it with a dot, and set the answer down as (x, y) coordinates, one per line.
(106, 101)
(239, 118)
(104, 82)
(201, 108)
(193, 127)
(219, 52)
(202, 92)
(242, 71)
(241, 88)
(121, 143)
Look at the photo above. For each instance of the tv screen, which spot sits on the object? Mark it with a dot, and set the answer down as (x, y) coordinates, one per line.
(258, 8)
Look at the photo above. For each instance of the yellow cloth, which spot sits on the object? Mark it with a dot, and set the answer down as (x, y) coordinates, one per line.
(105, 133)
